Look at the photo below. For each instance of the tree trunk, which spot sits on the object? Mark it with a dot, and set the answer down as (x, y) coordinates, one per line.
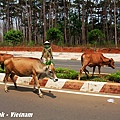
(115, 23)
(65, 38)
(110, 32)
(83, 23)
(49, 16)
(8, 17)
(44, 21)
(55, 6)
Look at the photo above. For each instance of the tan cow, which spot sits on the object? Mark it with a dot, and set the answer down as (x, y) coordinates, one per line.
(3, 57)
(26, 66)
(93, 60)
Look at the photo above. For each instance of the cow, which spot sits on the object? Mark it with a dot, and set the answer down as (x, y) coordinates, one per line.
(93, 60)
(28, 67)
(3, 57)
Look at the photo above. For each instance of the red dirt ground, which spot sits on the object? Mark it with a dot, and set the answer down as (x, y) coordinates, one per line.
(62, 49)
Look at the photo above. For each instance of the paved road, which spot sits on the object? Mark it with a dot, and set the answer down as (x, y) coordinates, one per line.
(64, 59)
(76, 65)
(57, 106)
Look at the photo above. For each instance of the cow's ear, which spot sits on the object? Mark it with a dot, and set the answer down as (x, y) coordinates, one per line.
(46, 68)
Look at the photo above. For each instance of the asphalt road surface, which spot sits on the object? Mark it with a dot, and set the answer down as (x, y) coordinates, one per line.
(76, 65)
(56, 106)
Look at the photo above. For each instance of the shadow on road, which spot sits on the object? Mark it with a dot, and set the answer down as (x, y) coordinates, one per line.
(24, 89)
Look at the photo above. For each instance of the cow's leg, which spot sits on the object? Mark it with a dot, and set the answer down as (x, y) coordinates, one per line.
(34, 88)
(79, 75)
(84, 64)
(86, 72)
(12, 78)
(81, 70)
(93, 71)
(5, 81)
(38, 85)
(99, 68)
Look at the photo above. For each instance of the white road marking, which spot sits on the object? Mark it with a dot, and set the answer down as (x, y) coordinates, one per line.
(82, 93)
(72, 92)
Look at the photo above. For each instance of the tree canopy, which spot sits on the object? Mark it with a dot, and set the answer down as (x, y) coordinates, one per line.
(74, 18)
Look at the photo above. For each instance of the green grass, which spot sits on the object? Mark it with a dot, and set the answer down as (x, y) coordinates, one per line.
(72, 74)
(66, 73)
(102, 78)
(115, 77)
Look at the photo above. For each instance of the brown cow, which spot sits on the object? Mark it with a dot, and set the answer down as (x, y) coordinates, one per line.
(26, 66)
(3, 57)
(93, 60)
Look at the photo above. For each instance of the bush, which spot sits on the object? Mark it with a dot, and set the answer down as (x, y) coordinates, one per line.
(114, 77)
(66, 73)
(13, 37)
(95, 36)
(55, 35)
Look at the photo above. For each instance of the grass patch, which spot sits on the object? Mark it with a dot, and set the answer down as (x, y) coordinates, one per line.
(102, 78)
(72, 74)
(66, 73)
(114, 77)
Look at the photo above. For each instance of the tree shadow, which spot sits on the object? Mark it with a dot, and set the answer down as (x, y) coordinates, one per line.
(25, 89)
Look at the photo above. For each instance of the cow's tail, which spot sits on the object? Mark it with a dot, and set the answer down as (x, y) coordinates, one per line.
(82, 60)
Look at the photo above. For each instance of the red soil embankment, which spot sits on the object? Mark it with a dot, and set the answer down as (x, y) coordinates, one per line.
(62, 49)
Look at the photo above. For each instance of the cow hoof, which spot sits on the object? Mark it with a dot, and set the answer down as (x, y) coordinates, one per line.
(15, 86)
(41, 95)
(6, 91)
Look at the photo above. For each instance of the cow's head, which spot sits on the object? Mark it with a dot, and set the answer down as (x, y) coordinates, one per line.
(50, 72)
(111, 63)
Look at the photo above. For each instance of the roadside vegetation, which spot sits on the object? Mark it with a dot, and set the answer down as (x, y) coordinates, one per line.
(72, 74)
(95, 39)
(1, 70)
(74, 19)
(66, 73)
